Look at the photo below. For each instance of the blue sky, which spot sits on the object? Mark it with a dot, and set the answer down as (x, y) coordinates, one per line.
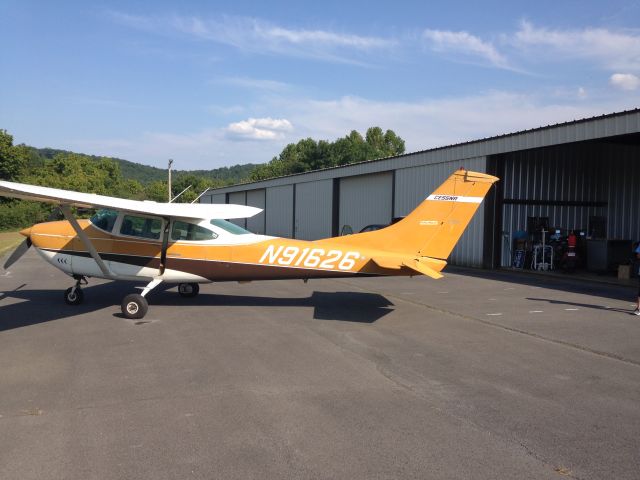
(219, 83)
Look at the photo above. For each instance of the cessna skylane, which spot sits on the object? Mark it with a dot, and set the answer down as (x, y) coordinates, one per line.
(189, 244)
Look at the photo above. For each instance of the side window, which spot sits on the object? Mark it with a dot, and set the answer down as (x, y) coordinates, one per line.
(141, 227)
(190, 232)
(104, 219)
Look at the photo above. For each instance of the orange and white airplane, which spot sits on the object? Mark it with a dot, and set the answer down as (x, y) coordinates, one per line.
(189, 244)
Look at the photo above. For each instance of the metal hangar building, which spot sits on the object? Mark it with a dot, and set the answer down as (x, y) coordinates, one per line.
(582, 175)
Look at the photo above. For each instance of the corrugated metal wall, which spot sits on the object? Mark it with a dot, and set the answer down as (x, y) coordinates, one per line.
(256, 198)
(623, 199)
(218, 198)
(313, 216)
(238, 198)
(415, 184)
(581, 173)
(365, 200)
(279, 211)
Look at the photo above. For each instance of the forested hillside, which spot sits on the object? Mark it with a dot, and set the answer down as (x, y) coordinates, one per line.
(122, 178)
(146, 174)
(102, 175)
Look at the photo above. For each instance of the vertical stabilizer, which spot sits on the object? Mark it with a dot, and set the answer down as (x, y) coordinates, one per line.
(436, 225)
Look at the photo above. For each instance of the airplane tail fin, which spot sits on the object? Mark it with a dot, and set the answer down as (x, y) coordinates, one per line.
(434, 227)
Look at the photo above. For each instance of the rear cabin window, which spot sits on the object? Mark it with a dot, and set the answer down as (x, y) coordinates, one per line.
(143, 227)
(104, 219)
(190, 232)
(229, 227)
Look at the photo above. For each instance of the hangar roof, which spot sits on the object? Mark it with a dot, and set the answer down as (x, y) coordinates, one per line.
(593, 128)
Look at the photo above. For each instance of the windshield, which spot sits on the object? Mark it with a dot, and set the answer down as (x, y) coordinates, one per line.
(190, 232)
(229, 227)
(104, 219)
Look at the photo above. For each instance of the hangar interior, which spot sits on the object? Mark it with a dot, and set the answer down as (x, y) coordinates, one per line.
(579, 179)
(591, 188)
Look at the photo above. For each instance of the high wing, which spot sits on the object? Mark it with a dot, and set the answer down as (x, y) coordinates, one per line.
(91, 200)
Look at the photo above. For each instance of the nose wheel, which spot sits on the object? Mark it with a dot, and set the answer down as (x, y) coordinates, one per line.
(74, 295)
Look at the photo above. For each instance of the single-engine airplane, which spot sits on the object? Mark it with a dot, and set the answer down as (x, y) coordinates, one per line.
(189, 244)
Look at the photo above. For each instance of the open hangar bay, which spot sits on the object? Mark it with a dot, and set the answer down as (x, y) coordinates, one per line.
(581, 176)
(478, 375)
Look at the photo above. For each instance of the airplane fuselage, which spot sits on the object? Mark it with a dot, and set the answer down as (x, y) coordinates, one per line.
(238, 257)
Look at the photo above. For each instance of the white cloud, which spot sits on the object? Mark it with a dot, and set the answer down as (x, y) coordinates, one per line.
(260, 36)
(439, 122)
(254, 83)
(466, 44)
(260, 129)
(423, 124)
(625, 81)
(613, 50)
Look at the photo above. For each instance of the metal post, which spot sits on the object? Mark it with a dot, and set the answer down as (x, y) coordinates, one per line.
(169, 183)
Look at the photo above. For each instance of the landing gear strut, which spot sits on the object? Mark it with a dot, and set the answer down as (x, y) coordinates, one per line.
(74, 295)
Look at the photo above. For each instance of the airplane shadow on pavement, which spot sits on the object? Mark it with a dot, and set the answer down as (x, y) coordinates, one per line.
(31, 307)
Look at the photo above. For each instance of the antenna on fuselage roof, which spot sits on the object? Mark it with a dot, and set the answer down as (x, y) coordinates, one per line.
(180, 194)
(198, 197)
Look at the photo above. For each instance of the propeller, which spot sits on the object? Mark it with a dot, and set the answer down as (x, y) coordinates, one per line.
(18, 252)
(24, 246)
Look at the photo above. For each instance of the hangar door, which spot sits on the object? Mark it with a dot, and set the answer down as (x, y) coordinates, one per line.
(256, 198)
(218, 198)
(366, 200)
(279, 211)
(238, 198)
(313, 209)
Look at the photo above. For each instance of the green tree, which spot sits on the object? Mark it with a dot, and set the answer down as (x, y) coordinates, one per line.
(156, 191)
(308, 154)
(13, 158)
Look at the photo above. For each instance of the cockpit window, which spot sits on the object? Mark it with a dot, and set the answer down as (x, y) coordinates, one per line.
(141, 227)
(104, 219)
(190, 232)
(229, 227)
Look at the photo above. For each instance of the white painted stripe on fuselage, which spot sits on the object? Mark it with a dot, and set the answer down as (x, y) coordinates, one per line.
(454, 198)
(87, 266)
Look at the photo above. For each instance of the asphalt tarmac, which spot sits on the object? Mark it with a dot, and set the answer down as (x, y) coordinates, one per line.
(476, 376)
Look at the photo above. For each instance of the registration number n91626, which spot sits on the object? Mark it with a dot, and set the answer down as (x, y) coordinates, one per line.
(292, 256)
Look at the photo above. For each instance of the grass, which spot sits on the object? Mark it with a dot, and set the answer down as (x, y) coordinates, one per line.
(8, 241)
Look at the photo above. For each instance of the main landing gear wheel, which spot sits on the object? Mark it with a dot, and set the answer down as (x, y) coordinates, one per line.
(188, 289)
(73, 296)
(134, 306)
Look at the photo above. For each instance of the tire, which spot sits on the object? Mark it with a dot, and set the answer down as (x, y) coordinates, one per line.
(134, 306)
(188, 290)
(73, 298)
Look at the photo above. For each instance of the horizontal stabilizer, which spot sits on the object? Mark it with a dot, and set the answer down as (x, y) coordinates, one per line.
(388, 261)
(423, 268)
(417, 264)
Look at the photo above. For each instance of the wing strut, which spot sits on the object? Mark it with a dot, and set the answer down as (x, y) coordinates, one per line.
(165, 244)
(66, 211)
